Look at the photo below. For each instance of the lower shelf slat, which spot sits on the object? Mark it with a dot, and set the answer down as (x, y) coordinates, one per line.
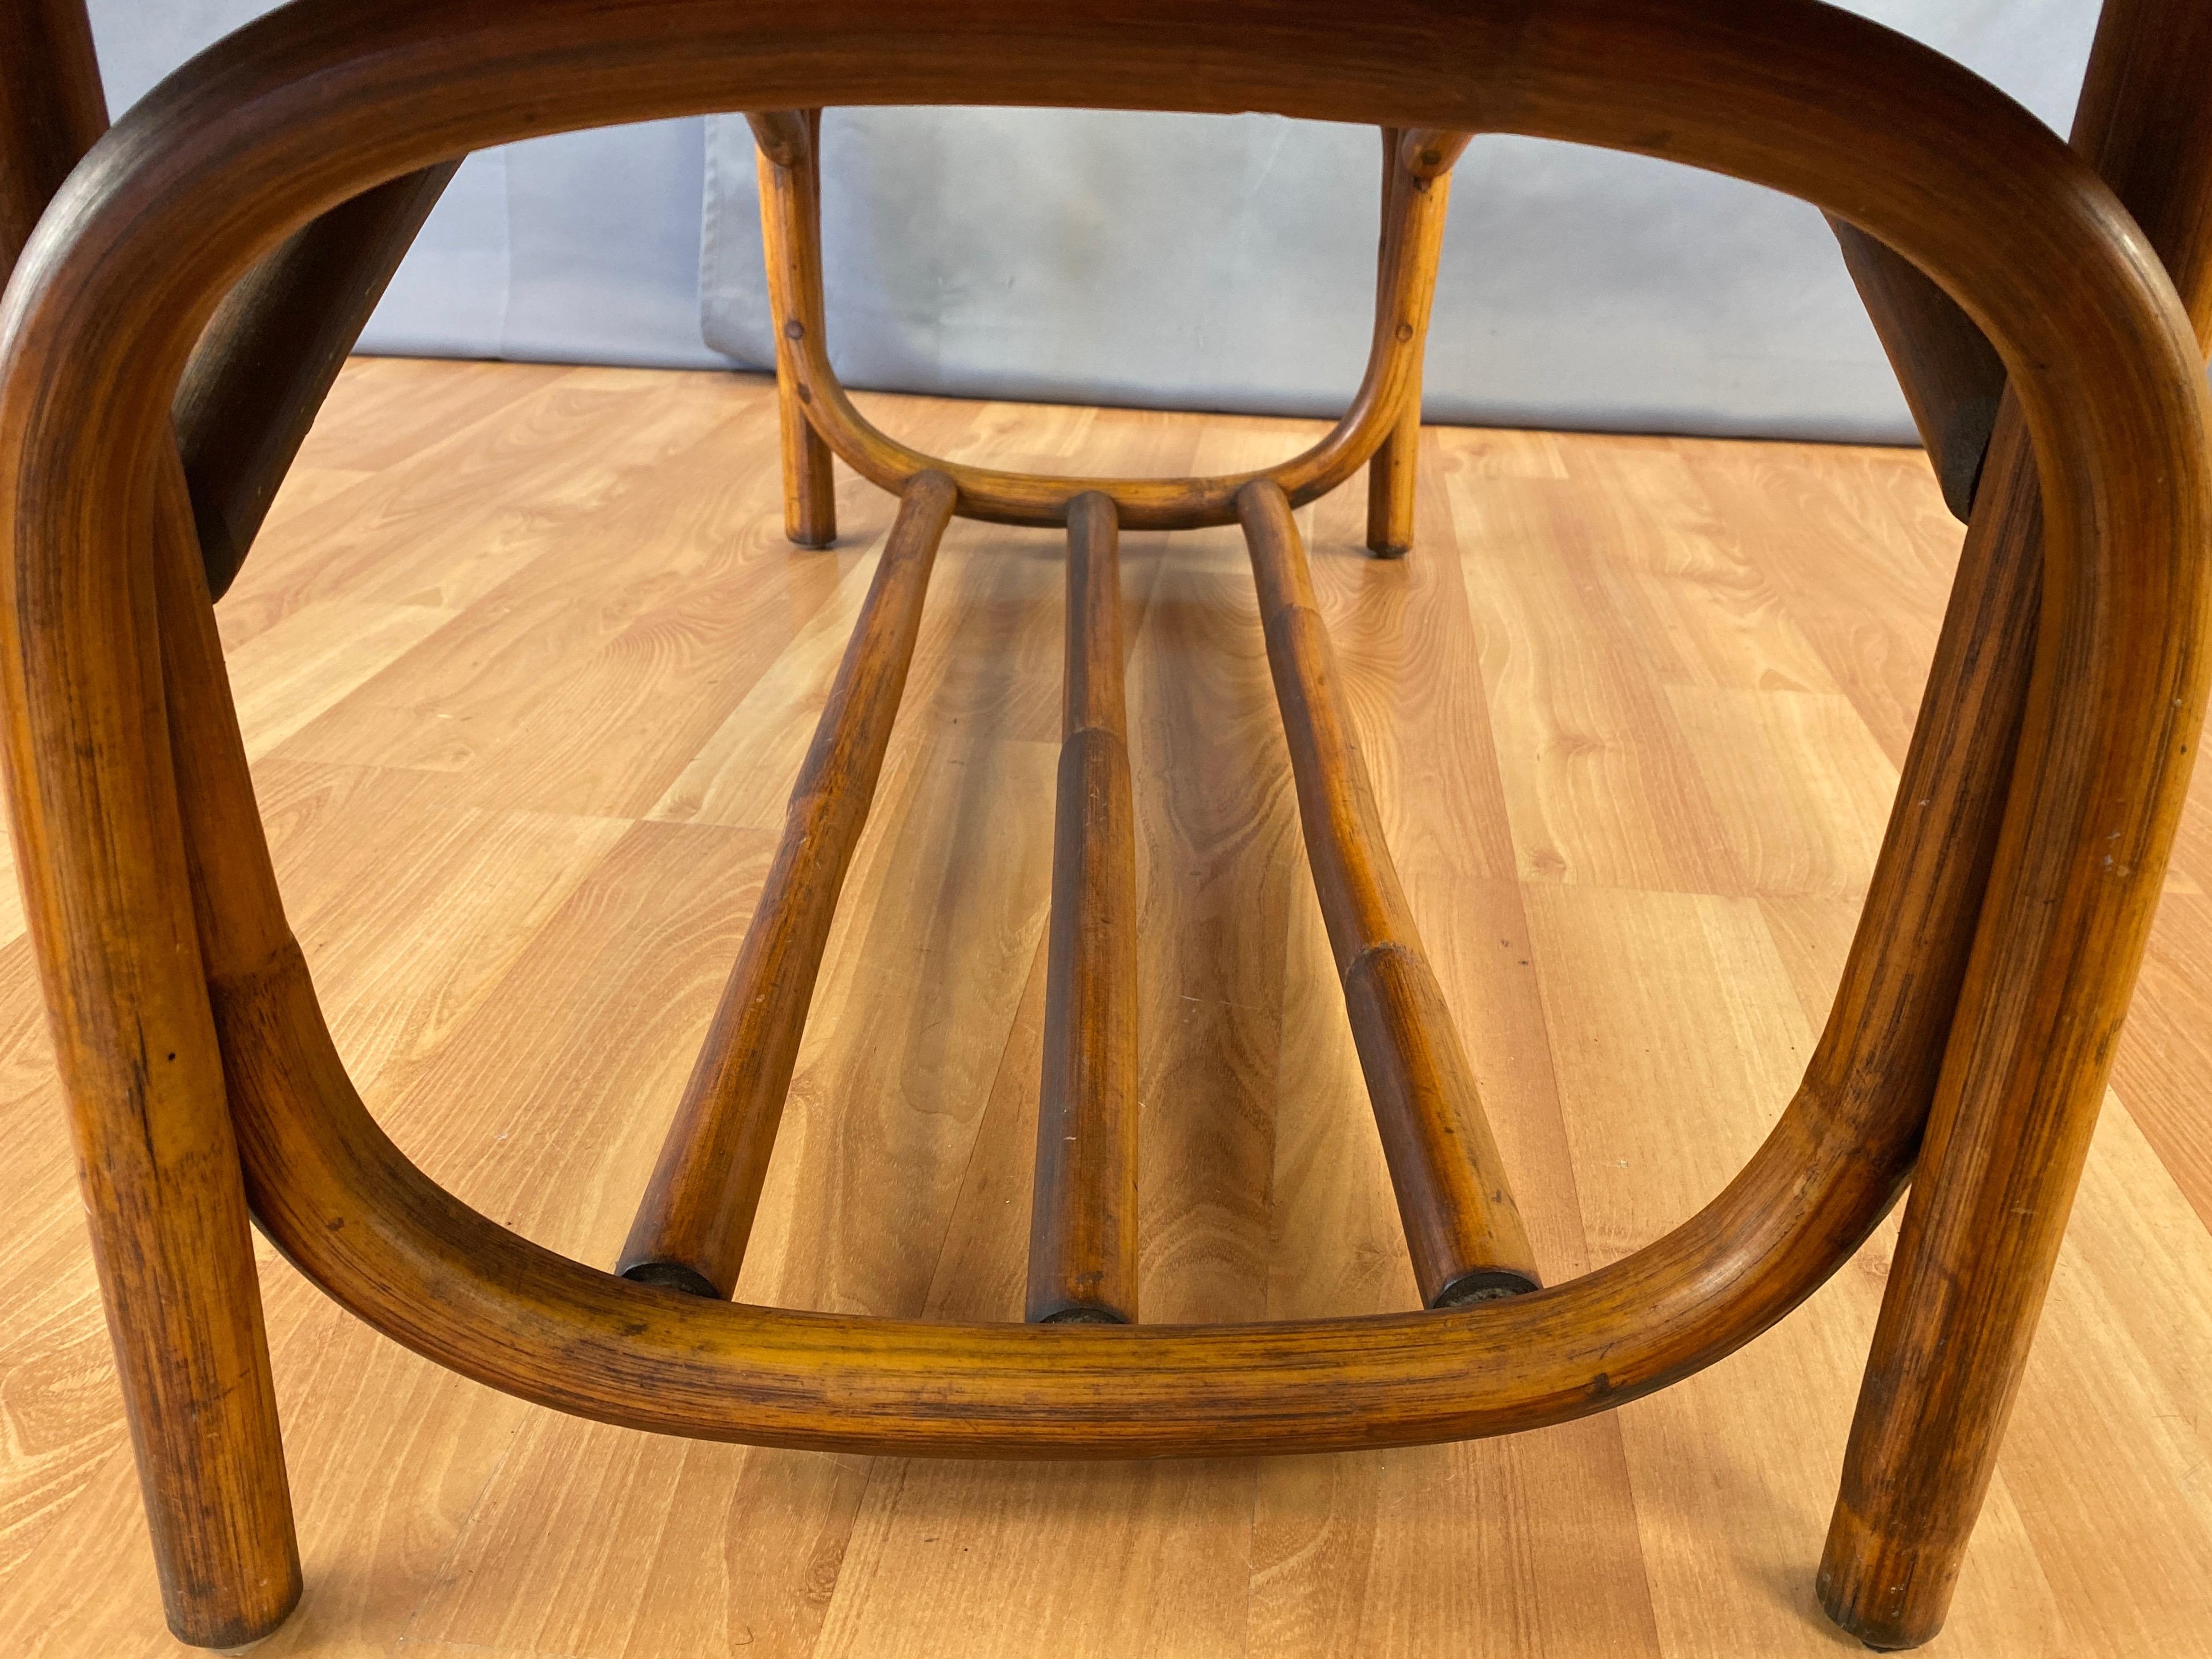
(1082, 1224)
(697, 1212)
(1462, 1227)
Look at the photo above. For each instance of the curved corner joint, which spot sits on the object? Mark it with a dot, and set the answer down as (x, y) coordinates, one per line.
(1412, 235)
(223, 160)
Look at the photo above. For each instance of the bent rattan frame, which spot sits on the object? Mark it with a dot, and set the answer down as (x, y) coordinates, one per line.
(1984, 987)
(1413, 221)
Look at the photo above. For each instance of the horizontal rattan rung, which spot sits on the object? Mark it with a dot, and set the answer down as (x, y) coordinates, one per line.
(1082, 1221)
(1462, 1228)
(694, 1218)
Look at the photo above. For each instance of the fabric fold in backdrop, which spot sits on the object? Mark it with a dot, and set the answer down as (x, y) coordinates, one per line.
(1194, 261)
(1211, 262)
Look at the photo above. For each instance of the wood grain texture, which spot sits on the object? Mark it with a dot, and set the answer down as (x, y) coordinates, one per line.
(790, 143)
(1215, 785)
(1082, 1218)
(2072, 840)
(1462, 1226)
(1418, 161)
(156, 1154)
(2022, 1084)
(448, 938)
(281, 1053)
(268, 358)
(52, 111)
(696, 1215)
(1431, 1549)
(819, 416)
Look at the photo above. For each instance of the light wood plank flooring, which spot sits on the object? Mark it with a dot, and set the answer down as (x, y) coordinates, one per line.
(526, 667)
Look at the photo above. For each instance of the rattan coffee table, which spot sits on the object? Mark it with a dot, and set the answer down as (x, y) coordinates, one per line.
(181, 309)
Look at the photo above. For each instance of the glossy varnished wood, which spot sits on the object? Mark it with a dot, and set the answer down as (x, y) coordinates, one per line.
(2010, 1129)
(790, 144)
(696, 1216)
(52, 111)
(308, 109)
(157, 1159)
(267, 359)
(1462, 1227)
(2137, 401)
(521, 990)
(1082, 1216)
(1394, 474)
(1384, 415)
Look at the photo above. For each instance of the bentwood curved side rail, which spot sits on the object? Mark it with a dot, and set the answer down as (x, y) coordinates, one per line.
(1992, 964)
(1413, 231)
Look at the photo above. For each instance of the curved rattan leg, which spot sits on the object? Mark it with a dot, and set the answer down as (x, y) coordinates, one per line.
(1412, 159)
(790, 145)
(52, 111)
(1393, 478)
(146, 868)
(1999, 1166)
(1394, 471)
(157, 1157)
(212, 1465)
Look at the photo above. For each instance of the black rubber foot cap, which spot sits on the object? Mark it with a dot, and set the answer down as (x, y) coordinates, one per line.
(1083, 1316)
(1483, 1284)
(673, 1276)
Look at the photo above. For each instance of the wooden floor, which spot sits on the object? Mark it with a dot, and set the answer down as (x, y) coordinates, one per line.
(526, 667)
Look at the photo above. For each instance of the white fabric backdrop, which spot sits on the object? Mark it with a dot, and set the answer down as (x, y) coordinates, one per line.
(1146, 258)
(1166, 259)
(580, 248)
